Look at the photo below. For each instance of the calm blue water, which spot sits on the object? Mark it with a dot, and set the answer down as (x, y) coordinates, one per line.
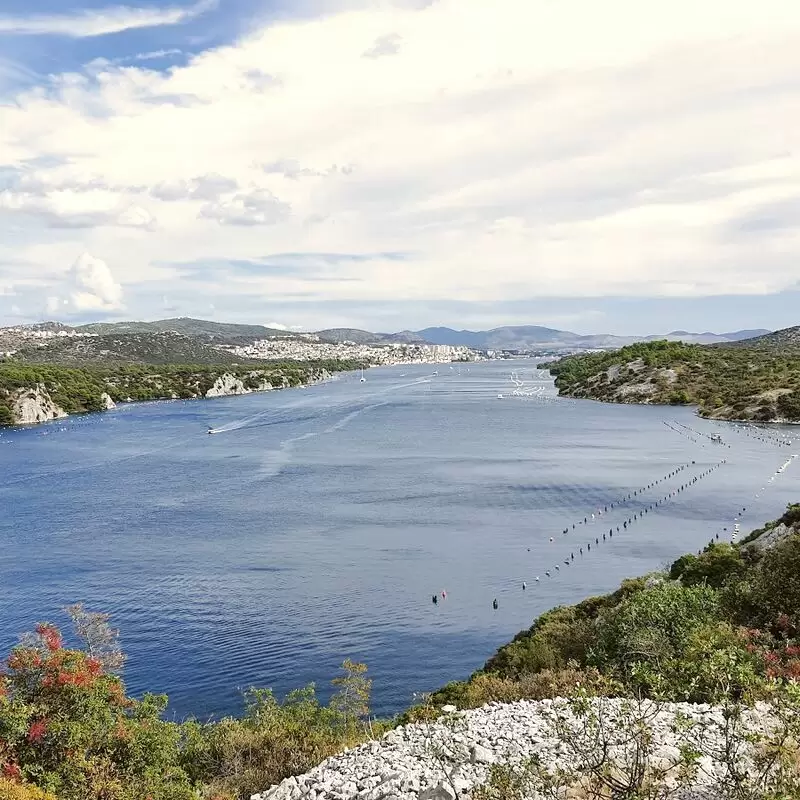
(319, 525)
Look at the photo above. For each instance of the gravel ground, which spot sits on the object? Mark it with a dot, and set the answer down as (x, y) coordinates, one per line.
(434, 761)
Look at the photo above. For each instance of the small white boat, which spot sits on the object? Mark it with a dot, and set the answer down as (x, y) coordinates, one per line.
(500, 397)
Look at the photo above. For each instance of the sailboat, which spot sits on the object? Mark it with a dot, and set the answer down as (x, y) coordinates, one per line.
(363, 379)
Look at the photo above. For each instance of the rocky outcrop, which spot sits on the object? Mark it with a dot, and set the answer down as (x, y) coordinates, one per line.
(31, 406)
(447, 758)
(225, 385)
(632, 382)
(229, 384)
(107, 402)
(775, 532)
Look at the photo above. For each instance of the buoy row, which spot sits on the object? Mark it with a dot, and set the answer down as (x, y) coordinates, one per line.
(694, 432)
(680, 432)
(736, 526)
(630, 520)
(761, 434)
(621, 500)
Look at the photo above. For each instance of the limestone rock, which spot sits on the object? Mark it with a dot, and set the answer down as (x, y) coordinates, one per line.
(31, 406)
(480, 755)
(225, 385)
(107, 402)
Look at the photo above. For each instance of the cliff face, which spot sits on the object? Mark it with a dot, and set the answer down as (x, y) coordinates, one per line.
(31, 406)
(227, 384)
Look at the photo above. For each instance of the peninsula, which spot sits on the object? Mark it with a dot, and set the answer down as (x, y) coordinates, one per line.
(752, 380)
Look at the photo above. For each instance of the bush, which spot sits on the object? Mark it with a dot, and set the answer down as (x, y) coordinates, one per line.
(718, 564)
(647, 636)
(775, 584)
(67, 726)
(275, 739)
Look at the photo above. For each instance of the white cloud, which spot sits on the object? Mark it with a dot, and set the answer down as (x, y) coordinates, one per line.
(99, 22)
(88, 286)
(647, 150)
(204, 187)
(75, 207)
(258, 207)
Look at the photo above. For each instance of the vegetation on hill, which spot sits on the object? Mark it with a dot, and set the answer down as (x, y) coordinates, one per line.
(778, 341)
(221, 332)
(731, 381)
(81, 389)
(129, 348)
(722, 626)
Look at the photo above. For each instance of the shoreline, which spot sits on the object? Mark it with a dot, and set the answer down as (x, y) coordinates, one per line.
(326, 377)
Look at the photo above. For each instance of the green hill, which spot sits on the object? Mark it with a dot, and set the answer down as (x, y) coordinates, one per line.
(221, 332)
(782, 341)
(126, 348)
(757, 379)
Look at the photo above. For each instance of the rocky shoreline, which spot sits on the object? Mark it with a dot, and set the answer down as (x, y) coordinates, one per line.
(35, 405)
(448, 758)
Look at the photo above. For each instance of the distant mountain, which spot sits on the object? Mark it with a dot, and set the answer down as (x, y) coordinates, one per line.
(532, 337)
(220, 332)
(509, 337)
(739, 335)
(367, 337)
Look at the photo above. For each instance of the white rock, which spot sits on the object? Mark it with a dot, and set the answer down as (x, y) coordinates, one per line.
(226, 384)
(403, 762)
(31, 406)
(480, 755)
(449, 709)
(107, 402)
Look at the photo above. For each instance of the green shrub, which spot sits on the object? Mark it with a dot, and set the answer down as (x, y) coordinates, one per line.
(649, 632)
(718, 564)
(276, 739)
(68, 727)
(775, 583)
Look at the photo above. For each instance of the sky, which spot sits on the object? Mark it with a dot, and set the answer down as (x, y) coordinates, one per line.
(618, 167)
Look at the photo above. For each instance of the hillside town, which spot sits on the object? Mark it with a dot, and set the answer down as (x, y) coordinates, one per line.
(310, 347)
(12, 338)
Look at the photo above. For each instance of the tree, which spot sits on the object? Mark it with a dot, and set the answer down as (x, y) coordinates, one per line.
(351, 702)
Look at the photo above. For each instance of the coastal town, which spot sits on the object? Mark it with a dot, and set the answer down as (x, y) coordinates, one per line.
(291, 347)
(310, 347)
